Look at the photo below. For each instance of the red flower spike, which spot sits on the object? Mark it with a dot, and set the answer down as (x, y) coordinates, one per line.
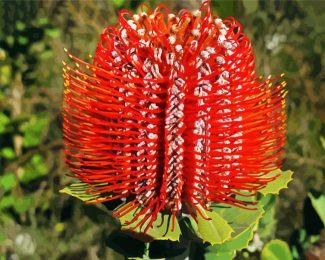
(171, 115)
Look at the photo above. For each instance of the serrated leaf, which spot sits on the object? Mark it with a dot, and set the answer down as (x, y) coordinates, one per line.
(80, 191)
(161, 227)
(243, 222)
(276, 250)
(214, 231)
(318, 202)
(241, 219)
(279, 183)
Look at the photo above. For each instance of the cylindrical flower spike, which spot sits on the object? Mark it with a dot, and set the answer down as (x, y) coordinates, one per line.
(171, 115)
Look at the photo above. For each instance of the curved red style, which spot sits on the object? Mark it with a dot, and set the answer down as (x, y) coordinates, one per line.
(171, 115)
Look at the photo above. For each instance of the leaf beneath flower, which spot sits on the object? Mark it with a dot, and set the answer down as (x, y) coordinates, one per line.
(80, 191)
(214, 231)
(243, 222)
(161, 228)
(279, 183)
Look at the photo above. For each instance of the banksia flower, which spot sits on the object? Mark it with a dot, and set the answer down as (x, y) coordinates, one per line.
(171, 117)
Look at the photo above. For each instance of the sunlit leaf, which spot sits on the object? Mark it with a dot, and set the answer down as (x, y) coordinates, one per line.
(279, 183)
(79, 191)
(243, 222)
(118, 3)
(216, 230)
(53, 32)
(5, 77)
(6, 201)
(8, 181)
(219, 255)
(7, 153)
(276, 250)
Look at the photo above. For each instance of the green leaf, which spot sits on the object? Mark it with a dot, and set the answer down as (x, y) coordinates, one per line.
(22, 204)
(2, 237)
(266, 226)
(279, 183)
(276, 250)
(34, 129)
(118, 3)
(214, 231)
(219, 255)
(241, 219)
(250, 6)
(4, 120)
(20, 26)
(53, 32)
(80, 191)
(8, 153)
(6, 202)
(22, 40)
(5, 78)
(243, 222)
(34, 169)
(161, 228)
(322, 140)
(43, 20)
(318, 202)
(8, 181)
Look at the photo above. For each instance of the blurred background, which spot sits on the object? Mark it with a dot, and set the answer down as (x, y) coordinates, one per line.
(36, 222)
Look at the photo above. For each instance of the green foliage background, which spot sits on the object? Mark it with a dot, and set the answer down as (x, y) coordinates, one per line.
(36, 222)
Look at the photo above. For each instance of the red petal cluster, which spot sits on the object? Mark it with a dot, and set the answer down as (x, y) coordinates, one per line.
(171, 115)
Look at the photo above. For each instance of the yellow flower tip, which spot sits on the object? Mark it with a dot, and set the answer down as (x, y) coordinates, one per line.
(65, 50)
(283, 83)
(66, 83)
(282, 75)
(64, 63)
(77, 64)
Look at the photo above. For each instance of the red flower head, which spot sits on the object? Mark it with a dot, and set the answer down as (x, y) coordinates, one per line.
(171, 115)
